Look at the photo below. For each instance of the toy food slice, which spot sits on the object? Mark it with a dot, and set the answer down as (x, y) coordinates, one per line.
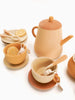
(12, 50)
(20, 32)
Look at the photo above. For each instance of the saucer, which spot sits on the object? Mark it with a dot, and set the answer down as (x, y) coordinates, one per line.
(18, 66)
(40, 86)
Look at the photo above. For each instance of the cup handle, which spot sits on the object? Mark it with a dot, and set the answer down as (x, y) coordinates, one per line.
(56, 78)
(33, 30)
(66, 39)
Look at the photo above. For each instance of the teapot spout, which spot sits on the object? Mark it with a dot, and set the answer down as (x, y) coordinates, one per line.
(66, 39)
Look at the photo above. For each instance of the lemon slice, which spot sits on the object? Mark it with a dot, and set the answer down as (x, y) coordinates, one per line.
(20, 32)
(12, 50)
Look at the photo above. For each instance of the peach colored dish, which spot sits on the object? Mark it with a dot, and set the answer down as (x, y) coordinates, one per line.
(15, 59)
(38, 85)
(49, 40)
(17, 66)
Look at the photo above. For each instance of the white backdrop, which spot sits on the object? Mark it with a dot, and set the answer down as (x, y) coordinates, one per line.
(16, 14)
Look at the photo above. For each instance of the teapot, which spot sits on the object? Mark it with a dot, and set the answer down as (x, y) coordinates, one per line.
(49, 40)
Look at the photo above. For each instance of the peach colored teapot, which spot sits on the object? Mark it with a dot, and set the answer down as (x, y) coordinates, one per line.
(49, 41)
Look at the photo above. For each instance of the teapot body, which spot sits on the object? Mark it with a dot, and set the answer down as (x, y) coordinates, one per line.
(49, 40)
(47, 43)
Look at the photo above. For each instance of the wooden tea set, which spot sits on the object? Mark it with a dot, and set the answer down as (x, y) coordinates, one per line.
(48, 47)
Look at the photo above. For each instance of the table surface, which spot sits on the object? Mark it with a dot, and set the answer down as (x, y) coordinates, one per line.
(18, 14)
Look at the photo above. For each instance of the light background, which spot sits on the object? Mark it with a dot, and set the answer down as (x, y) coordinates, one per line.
(16, 14)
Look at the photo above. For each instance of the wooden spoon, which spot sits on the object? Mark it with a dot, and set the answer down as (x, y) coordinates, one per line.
(43, 69)
(6, 32)
(8, 36)
(11, 34)
(22, 49)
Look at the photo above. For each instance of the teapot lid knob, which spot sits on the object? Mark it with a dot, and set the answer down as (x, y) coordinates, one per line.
(51, 18)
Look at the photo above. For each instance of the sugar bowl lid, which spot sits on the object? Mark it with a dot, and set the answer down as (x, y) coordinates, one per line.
(50, 24)
(71, 66)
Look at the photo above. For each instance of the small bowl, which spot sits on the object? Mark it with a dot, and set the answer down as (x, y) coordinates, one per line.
(41, 62)
(15, 59)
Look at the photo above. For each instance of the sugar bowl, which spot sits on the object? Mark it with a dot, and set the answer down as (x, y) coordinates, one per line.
(71, 66)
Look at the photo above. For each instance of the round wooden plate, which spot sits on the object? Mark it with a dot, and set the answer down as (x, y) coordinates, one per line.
(38, 85)
(15, 67)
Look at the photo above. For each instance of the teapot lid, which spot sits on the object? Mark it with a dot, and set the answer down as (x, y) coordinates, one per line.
(50, 24)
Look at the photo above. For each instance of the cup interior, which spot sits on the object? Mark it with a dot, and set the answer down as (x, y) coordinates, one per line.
(18, 45)
(42, 62)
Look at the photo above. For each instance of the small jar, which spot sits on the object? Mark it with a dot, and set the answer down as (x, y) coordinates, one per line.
(71, 66)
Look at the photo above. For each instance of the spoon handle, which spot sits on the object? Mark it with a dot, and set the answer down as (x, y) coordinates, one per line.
(8, 33)
(1, 35)
(5, 36)
(64, 57)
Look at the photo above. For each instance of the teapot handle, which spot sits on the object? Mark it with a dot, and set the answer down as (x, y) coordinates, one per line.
(66, 39)
(33, 30)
